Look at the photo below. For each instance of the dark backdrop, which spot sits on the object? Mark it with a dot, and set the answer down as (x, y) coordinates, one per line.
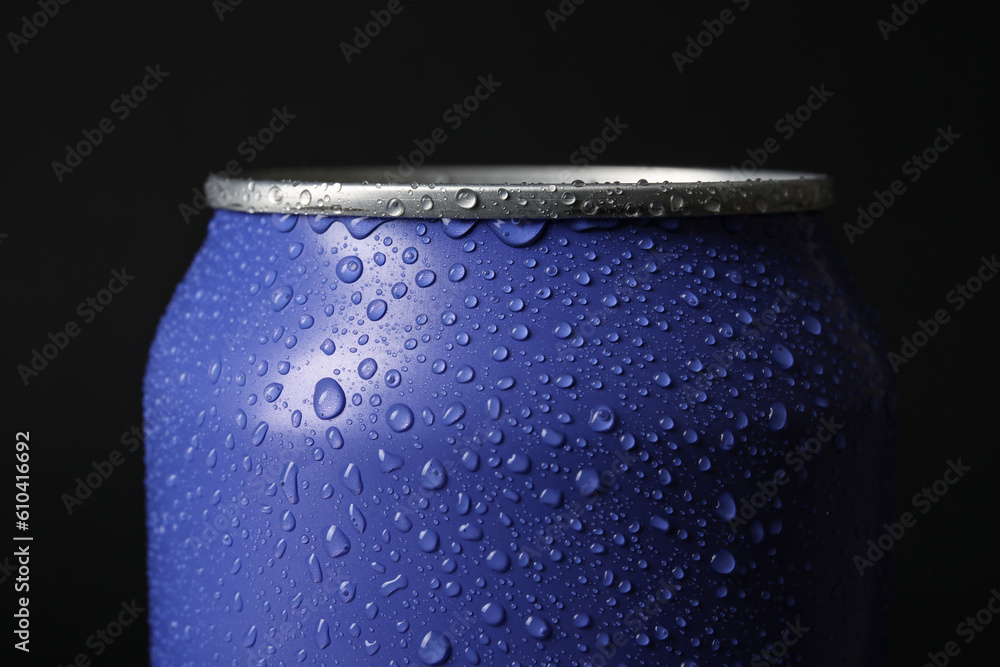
(890, 90)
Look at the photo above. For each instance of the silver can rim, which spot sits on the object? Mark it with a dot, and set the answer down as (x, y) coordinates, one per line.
(516, 192)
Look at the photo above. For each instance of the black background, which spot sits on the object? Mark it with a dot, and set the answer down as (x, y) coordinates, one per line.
(120, 208)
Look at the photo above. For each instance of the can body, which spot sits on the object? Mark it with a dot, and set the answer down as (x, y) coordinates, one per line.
(397, 441)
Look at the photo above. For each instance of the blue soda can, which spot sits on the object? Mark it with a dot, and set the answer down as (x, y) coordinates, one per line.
(518, 416)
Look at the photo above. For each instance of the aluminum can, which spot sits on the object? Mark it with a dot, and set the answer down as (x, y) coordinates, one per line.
(518, 416)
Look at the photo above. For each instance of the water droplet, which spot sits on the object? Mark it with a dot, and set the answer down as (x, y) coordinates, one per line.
(272, 392)
(352, 479)
(214, 369)
(588, 481)
(493, 613)
(456, 272)
(519, 332)
(602, 418)
(398, 290)
(498, 561)
(435, 648)
(428, 540)
(281, 298)
(394, 208)
(367, 368)
(357, 518)
(389, 462)
(538, 627)
(402, 521)
(334, 437)
(723, 562)
(337, 543)
(288, 521)
(328, 398)
(466, 198)
(397, 583)
(777, 416)
(782, 355)
(322, 633)
(349, 269)
(471, 532)
(425, 278)
(399, 417)
(726, 507)
(259, 434)
(426, 202)
(433, 476)
(376, 310)
(519, 463)
(453, 413)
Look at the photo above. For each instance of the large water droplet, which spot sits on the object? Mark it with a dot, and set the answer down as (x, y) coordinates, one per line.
(357, 518)
(376, 310)
(782, 355)
(428, 540)
(435, 648)
(349, 269)
(272, 392)
(777, 416)
(466, 198)
(425, 278)
(394, 207)
(493, 614)
(433, 476)
(400, 417)
(723, 562)
(337, 543)
(328, 398)
(352, 479)
(367, 368)
(602, 418)
(538, 627)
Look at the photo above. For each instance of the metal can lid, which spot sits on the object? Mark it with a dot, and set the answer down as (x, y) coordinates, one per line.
(514, 192)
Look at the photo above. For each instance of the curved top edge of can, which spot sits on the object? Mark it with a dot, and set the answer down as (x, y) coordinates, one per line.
(513, 192)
